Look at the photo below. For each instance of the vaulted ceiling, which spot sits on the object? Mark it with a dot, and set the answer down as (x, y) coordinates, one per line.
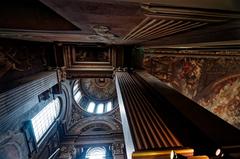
(152, 23)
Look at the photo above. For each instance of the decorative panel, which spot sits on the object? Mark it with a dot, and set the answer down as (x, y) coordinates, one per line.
(88, 61)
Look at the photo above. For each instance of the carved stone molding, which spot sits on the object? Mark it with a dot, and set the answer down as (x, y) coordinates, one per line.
(116, 115)
(79, 127)
(76, 115)
(82, 61)
(67, 152)
(118, 148)
(12, 145)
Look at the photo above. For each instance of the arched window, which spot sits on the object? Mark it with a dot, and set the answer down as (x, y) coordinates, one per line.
(76, 92)
(109, 106)
(100, 108)
(77, 96)
(91, 107)
(96, 153)
(45, 118)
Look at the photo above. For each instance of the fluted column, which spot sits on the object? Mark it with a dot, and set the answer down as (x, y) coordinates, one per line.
(144, 129)
(19, 100)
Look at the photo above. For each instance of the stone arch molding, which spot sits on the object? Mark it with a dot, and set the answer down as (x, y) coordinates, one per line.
(95, 122)
(12, 145)
(223, 99)
(67, 102)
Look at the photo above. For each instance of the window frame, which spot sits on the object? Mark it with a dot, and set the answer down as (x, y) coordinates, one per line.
(50, 127)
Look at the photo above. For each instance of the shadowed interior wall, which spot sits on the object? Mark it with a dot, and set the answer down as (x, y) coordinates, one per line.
(19, 59)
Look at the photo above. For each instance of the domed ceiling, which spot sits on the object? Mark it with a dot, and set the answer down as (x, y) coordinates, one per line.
(98, 88)
(95, 95)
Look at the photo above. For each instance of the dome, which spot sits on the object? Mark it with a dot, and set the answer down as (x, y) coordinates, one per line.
(95, 95)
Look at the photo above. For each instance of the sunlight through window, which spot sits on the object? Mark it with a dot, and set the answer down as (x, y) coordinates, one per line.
(96, 153)
(100, 108)
(77, 96)
(91, 107)
(109, 106)
(45, 118)
(75, 87)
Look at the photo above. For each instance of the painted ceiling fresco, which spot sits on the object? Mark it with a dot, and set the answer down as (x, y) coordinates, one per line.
(98, 88)
(225, 100)
(212, 82)
(19, 59)
(92, 55)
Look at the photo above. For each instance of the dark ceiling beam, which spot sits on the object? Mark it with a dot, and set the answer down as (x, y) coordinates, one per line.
(31, 15)
(119, 17)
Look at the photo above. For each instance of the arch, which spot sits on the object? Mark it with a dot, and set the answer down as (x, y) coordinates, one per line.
(66, 103)
(10, 150)
(92, 122)
(13, 145)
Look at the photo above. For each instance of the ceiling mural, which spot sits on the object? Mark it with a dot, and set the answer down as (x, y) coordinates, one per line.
(94, 96)
(182, 74)
(224, 100)
(19, 59)
(99, 88)
(196, 77)
(88, 61)
(92, 55)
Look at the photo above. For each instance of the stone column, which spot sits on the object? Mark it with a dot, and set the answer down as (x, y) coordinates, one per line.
(144, 129)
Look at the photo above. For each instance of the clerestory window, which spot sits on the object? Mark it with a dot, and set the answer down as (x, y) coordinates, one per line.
(45, 118)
